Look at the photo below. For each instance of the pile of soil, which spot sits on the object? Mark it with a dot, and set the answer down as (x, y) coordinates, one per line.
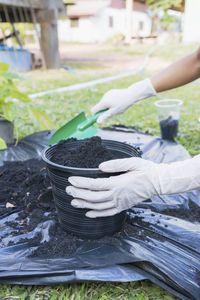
(62, 244)
(25, 186)
(169, 129)
(87, 155)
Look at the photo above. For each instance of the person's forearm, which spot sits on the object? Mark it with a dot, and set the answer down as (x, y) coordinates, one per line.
(179, 73)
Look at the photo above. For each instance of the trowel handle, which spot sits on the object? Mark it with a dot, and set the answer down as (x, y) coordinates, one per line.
(89, 122)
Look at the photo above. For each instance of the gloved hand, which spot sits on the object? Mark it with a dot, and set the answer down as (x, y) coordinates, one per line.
(142, 179)
(119, 100)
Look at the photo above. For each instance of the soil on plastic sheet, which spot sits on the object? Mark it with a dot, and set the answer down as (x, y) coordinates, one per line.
(25, 188)
(88, 155)
(192, 214)
(62, 244)
(24, 185)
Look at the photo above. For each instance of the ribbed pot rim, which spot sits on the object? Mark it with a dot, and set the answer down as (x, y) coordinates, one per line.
(66, 168)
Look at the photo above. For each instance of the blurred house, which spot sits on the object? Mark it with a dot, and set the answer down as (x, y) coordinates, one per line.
(97, 21)
(191, 23)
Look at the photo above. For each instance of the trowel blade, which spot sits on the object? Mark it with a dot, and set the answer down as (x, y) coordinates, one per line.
(70, 129)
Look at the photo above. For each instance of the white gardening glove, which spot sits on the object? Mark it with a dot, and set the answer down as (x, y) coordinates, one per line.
(119, 100)
(142, 180)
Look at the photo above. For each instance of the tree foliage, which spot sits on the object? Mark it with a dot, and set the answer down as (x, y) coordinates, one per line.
(10, 97)
(156, 5)
(162, 5)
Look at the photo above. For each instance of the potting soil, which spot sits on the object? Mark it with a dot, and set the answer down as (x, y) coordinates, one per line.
(88, 155)
(160, 240)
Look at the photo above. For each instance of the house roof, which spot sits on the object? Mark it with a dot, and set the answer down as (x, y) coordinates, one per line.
(90, 7)
(86, 8)
(137, 6)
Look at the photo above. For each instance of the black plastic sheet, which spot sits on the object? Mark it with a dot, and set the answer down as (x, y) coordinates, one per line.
(155, 245)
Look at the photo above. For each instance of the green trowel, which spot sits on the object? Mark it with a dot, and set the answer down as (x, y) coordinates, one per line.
(79, 127)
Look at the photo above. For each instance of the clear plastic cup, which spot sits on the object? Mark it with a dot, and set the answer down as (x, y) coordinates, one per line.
(168, 115)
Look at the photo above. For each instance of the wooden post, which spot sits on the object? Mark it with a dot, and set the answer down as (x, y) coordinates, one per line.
(49, 44)
(16, 34)
(48, 18)
(129, 14)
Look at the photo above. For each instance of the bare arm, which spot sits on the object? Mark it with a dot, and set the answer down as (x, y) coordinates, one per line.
(179, 73)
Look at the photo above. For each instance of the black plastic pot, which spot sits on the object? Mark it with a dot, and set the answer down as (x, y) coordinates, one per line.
(73, 219)
(7, 131)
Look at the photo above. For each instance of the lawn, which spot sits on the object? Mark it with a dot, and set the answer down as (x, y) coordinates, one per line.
(141, 290)
(63, 107)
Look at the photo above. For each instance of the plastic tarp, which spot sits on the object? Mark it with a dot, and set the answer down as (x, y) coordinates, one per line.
(157, 246)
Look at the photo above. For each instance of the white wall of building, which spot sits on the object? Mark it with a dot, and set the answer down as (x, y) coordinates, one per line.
(85, 32)
(191, 25)
(96, 28)
(119, 17)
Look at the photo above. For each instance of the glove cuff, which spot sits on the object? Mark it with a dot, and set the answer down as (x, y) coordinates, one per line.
(145, 89)
(179, 177)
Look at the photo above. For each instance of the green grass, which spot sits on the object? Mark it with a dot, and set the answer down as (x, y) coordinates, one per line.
(126, 49)
(84, 66)
(41, 80)
(141, 290)
(61, 108)
(170, 53)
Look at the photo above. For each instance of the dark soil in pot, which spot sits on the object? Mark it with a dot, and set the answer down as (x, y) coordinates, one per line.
(87, 155)
(81, 158)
